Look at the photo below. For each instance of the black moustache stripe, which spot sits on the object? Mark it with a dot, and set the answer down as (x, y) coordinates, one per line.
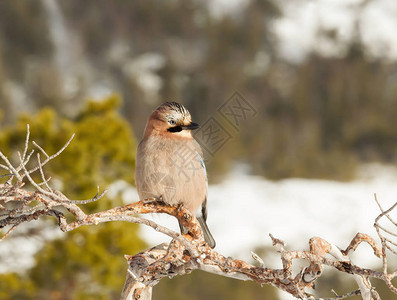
(175, 129)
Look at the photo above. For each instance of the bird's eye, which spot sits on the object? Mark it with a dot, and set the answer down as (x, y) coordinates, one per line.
(172, 122)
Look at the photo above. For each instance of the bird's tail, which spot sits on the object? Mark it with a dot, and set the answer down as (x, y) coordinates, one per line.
(207, 234)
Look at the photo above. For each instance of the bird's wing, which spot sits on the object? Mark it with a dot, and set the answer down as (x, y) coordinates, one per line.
(204, 204)
(203, 165)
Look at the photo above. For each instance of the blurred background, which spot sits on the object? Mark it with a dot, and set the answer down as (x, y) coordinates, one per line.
(319, 78)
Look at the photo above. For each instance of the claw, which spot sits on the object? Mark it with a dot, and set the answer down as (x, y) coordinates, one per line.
(151, 200)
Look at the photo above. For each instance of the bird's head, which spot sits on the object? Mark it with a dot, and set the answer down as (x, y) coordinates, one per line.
(171, 119)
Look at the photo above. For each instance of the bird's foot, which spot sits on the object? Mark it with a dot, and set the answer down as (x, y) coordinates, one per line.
(152, 200)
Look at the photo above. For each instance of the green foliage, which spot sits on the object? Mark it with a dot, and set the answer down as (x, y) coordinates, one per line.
(200, 285)
(16, 287)
(86, 263)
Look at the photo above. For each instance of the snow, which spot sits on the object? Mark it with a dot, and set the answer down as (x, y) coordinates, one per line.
(298, 28)
(144, 70)
(18, 249)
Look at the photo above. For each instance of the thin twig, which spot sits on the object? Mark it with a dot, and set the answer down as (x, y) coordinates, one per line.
(386, 230)
(8, 232)
(385, 212)
(93, 199)
(52, 156)
(45, 181)
(6, 175)
(390, 248)
(10, 166)
(41, 149)
(27, 174)
(348, 295)
(25, 150)
(4, 167)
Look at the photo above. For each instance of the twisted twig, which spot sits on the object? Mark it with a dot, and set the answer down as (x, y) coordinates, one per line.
(188, 251)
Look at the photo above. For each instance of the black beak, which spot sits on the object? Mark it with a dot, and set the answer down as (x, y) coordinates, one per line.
(191, 126)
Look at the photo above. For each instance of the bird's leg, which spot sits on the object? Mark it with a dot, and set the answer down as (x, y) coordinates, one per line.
(152, 200)
(183, 230)
(178, 208)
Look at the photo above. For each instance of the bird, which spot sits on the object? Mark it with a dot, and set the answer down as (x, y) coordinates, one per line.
(169, 164)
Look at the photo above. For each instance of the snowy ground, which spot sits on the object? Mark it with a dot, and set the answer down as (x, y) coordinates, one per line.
(18, 249)
(244, 209)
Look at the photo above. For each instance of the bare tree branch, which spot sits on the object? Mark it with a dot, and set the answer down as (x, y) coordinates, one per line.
(187, 252)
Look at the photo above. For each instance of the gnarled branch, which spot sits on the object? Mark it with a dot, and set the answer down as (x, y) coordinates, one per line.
(186, 252)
